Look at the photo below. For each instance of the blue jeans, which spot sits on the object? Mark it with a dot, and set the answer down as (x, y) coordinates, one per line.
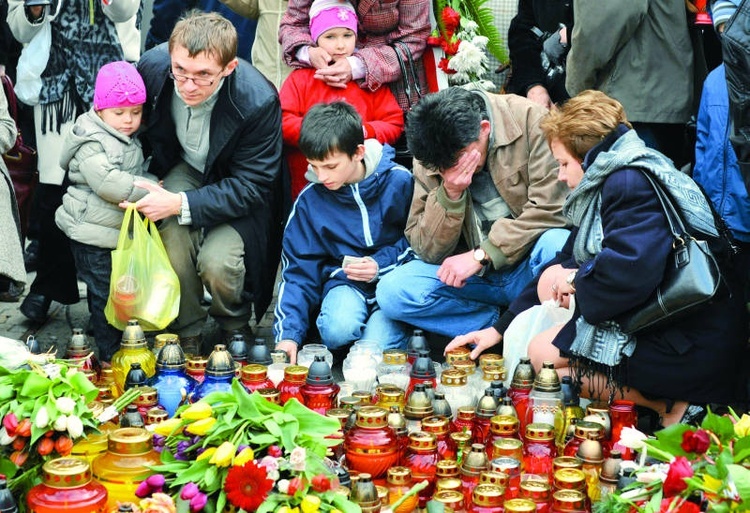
(345, 317)
(94, 267)
(413, 293)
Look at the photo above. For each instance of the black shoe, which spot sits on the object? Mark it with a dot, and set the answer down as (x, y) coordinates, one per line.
(694, 414)
(11, 291)
(31, 256)
(35, 307)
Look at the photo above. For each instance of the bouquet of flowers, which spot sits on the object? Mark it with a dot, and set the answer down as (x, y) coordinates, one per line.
(466, 31)
(238, 449)
(44, 411)
(703, 469)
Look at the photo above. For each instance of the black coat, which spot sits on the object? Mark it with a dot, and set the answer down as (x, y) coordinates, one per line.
(525, 47)
(243, 181)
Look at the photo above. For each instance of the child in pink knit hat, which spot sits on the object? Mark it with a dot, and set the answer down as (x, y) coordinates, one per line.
(101, 159)
(333, 27)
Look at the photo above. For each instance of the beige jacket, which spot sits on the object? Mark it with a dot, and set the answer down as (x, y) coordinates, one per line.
(525, 174)
(266, 53)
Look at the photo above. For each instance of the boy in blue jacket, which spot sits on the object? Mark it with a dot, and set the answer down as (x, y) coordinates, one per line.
(345, 231)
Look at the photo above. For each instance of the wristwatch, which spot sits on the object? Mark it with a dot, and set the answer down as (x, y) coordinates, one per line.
(481, 256)
(571, 278)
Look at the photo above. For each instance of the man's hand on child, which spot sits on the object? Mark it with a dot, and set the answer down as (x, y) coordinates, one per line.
(364, 269)
(337, 74)
(319, 58)
(158, 204)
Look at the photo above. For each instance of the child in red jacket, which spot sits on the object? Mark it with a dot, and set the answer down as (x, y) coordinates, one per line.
(333, 26)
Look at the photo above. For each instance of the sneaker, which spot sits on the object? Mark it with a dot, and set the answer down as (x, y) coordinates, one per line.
(11, 290)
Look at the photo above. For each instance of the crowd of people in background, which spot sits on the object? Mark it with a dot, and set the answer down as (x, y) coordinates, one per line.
(263, 132)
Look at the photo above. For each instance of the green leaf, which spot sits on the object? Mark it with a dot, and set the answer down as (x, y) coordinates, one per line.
(720, 425)
(344, 504)
(221, 501)
(741, 478)
(263, 439)
(478, 11)
(311, 423)
(34, 385)
(669, 439)
(742, 449)
(8, 468)
(83, 387)
(211, 477)
(272, 502)
(193, 473)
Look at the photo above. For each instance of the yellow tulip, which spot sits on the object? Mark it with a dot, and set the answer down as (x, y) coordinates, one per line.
(168, 427)
(294, 510)
(197, 411)
(201, 427)
(284, 509)
(742, 428)
(208, 453)
(223, 455)
(334, 510)
(243, 457)
(310, 504)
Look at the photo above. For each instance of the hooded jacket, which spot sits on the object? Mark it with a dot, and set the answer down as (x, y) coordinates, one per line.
(366, 218)
(102, 164)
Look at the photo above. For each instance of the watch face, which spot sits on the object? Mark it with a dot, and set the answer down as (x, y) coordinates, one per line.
(478, 255)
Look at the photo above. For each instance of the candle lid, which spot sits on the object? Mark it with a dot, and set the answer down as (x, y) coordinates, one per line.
(540, 431)
(372, 417)
(66, 472)
(520, 506)
(254, 372)
(488, 495)
(394, 356)
(453, 378)
(504, 425)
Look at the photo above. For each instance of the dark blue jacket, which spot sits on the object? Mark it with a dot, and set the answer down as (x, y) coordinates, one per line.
(363, 219)
(716, 168)
(242, 180)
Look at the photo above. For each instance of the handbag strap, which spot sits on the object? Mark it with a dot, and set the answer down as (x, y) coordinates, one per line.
(408, 72)
(676, 225)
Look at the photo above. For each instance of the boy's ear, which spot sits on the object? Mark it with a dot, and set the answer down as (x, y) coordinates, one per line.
(484, 127)
(359, 154)
(229, 68)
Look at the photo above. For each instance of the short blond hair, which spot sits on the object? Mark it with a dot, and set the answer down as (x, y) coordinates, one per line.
(207, 32)
(583, 121)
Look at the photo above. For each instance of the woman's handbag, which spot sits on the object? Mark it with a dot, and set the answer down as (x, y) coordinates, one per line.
(412, 89)
(21, 161)
(692, 276)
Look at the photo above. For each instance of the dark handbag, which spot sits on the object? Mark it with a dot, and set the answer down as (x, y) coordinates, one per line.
(411, 87)
(21, 161)
(692, 276)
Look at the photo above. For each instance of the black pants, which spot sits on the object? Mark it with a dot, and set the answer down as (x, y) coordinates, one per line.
(56, 270)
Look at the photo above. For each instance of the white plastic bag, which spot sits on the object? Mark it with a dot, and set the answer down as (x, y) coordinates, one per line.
(526, 326)
(33, 61)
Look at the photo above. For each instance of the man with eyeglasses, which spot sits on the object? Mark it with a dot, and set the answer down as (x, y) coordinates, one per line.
(213, 133)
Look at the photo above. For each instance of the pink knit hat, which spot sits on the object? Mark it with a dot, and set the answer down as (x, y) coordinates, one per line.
(118, 84)
(328, 14)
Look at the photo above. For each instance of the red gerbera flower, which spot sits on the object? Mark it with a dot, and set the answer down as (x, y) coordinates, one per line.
(247, 486)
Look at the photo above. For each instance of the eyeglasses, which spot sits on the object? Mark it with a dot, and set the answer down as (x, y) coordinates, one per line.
(199, 81)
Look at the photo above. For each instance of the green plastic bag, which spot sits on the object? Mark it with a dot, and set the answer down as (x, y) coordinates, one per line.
(143, 286)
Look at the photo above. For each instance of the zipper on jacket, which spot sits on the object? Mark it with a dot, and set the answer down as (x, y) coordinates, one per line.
(365, 214)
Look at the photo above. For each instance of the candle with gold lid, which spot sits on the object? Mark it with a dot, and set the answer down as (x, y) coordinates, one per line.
(451, 500)
(439, 427)
(67, 485)
(507, 447)
(455, 388)
(254, 376)
(520, 506)
(294, 378)
(390, 395)
(457, 355)
(494, 477)
(487, 498)
(538, 491)
(583, 430)
(501, 426)
(569, 479)
(371, 446)
(422, 458)
(130, 454)
(398, 482)
(491, 359)
(448, 483)
(539, 450)
(569, 501)
(447, 468)
(473, 464)
(133, 349)
(270, 394)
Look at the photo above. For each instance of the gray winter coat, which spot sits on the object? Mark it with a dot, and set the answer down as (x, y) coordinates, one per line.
(637, 51)
(102, 164)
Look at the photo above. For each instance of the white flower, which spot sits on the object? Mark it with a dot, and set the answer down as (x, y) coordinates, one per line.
(468, 25)
(269, 463)
(61, 423)
(283, 486)
(480, 41)
(52, 370)
(632, 438)
(42, 418)
(66, 405)
(75, 427)
(274, 475)
(5, 438)
(468, 59)
(297, 459)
